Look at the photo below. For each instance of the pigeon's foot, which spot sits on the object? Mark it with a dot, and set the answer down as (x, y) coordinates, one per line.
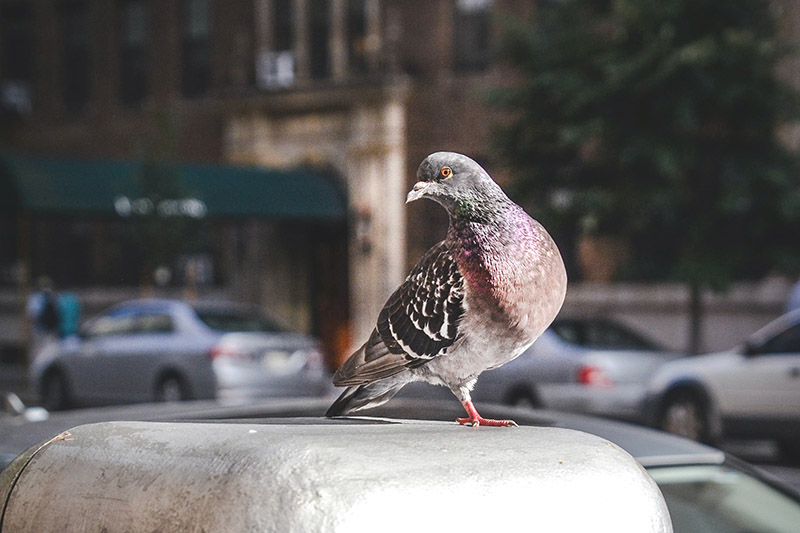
(480, 421)
(475, 420)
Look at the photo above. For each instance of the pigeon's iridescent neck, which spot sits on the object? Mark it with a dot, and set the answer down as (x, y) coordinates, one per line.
(487, 253)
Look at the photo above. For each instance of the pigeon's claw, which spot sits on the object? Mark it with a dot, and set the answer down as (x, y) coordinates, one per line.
(475, 420)
(480, 421)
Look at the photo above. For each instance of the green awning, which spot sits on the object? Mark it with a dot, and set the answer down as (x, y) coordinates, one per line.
(111, 187)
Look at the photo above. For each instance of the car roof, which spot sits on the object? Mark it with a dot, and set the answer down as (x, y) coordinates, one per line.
(650, 447)
(222, 305)
(147, 304)
(192, 304)
(200, 306)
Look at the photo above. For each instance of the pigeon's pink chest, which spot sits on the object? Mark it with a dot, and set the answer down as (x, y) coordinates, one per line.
(517, 281)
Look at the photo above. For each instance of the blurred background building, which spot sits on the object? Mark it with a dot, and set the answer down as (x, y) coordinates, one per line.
(258, 150)
(97, 96)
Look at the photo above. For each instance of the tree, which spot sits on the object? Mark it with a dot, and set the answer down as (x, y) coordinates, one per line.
(161, 234)
(659, 122)
(161, 229)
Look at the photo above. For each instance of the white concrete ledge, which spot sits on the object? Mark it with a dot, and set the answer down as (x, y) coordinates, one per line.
(411, 477)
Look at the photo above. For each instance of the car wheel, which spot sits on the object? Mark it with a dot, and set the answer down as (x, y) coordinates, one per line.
(171, 389)
(684, 414)
(55, 395)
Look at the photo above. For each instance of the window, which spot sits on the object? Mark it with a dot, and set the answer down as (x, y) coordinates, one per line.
(719, 498)
(18, 42)
(610, 337)
(75, 74)
(196, 78)
(127, 321)
(111, 324)
(18, 58)
(275, 68)
(788, 341)
(319, 30)
(569, 331)
(235, 320)
(282, 29)
(134, 64)
(357, 45)
(600, 335)
(149, 323)
(471, 34)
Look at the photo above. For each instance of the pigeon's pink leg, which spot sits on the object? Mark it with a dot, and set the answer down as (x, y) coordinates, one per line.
(476, 420)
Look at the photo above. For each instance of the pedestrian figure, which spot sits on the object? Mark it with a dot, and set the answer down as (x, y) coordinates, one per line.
(69, 314)
(42, 308)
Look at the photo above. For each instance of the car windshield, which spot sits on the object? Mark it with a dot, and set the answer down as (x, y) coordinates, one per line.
(234, 320)
(601, 335)
(712, 498)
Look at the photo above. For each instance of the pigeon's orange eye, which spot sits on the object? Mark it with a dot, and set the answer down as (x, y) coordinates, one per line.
(446, 172)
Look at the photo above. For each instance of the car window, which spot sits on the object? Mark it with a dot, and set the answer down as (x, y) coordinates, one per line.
(569, 331)
(787, 341)
(600, 335)
(130, 322)
(714, 498)
(154, 323)
(115, 324)
(232, 320)
(612, 337)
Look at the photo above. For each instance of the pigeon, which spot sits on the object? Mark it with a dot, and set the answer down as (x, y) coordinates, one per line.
(473, 302)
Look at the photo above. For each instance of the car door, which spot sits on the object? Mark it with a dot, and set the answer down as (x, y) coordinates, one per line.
(128, 366)
(764, 382)
(94, 365)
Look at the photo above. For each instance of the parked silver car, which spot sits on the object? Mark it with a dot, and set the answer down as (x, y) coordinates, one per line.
(168, 350)
(752, 390)
(593, 366)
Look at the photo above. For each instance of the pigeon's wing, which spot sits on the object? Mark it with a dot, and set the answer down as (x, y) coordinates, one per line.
(419, 322)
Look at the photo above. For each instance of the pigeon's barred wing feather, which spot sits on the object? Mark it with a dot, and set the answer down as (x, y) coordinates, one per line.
(420, 320)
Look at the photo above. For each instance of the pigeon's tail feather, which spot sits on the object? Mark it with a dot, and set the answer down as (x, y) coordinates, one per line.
(364, 397)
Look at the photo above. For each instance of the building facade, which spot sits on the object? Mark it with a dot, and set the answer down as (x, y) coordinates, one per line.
(361, 90)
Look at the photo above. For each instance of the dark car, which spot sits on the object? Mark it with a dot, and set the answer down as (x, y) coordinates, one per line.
(168, 350)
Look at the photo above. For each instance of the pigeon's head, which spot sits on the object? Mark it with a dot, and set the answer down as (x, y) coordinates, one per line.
(456, 182)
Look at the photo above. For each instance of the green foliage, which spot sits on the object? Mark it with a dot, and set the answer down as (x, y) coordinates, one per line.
(658, 122)
(161, 238)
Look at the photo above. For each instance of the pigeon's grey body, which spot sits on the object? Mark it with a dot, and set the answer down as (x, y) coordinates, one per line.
(474, 302)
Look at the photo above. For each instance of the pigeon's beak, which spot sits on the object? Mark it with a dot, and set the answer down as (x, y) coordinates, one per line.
(417, 191)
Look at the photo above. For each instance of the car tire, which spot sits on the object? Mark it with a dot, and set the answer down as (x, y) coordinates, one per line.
(685, 413)
(55, 391)
(171, 388)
